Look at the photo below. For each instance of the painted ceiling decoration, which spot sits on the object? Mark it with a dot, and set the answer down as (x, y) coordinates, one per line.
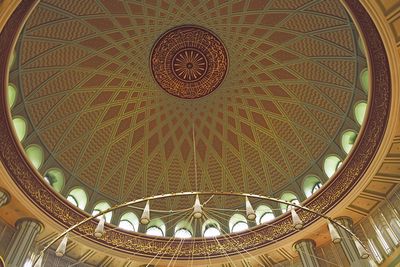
(131, 99)
(86, 80)
(189, 62)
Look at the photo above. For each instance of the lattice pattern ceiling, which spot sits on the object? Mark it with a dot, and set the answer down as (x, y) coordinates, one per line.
(87, 87)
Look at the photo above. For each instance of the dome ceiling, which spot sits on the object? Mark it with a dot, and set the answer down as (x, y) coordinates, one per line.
(88, 88)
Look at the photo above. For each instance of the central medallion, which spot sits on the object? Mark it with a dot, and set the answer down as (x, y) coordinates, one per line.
(189, 62)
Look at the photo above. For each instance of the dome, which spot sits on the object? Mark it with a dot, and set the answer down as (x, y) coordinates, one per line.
(118, 101)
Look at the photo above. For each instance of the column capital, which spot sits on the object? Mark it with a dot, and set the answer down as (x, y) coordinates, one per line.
(303, 241)
(305, 249)
(5, 197)
(29, 221)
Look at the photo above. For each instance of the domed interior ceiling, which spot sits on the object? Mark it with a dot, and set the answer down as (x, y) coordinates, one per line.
(87, 86)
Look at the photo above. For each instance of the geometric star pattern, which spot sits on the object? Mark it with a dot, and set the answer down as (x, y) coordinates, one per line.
(85, 77)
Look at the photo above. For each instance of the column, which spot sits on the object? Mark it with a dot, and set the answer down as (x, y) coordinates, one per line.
(305, 248)
(22, 240)
(348, 245)
(4, 197)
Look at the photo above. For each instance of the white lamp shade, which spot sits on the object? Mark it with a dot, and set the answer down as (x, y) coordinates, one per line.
(297, 222)
(197, 210)
(361, 250)
(250, 214)
(99, 231)
(145, 219)
(334, 233)
(63, 245)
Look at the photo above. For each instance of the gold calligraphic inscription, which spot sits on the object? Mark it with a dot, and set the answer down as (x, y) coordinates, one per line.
(189, 62)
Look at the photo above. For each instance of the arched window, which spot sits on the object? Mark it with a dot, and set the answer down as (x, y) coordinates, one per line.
(78, 198)
(211, 228)
(55, 178)
(156, 227)
(11, 94)
(154, 231)
(102, 206)
(183, 229)
(364, 80)
(264, 214)
(35, 155)
(348, 140)
(395, 225)
(359, 112)
(289, 197)
(129, 221)
(238, 223)
(331, 164)
(375, 252)
(20, 127)
(311, 185)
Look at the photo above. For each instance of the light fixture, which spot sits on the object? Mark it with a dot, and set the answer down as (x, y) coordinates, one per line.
(197, 211)
(297, 222)
(360, 248)
(145, 219)
(62, 247)
(250, 214)
(99, 231)
(334, 233)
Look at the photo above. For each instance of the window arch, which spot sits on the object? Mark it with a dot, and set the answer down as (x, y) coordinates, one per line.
(183, 229)
(55, 177)
(211, 228)
(361, 45)
(102, 206)
(78, 198)
(375, 251)
(264, 214)
(311, 184)
(238, 223)
(35, 155)
(156, 227)
(20, 127)
(129, 221)
(289, 197)
(359, 111)
(11, 94)
(364, 80)
(12, 59)
(348, 140)
(331, 164)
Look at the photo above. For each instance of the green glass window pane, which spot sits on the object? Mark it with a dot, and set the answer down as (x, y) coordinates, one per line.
(78, 197)
(364, 79)
(211, 232)
(56, 179)
(20, 128)
(183, 233)
(309, 185)
(359, 112)
(331, 164)
(348, 140)
(102, 206)
(154, 231)
(129, 221)
(289, 197)
(11, 95)
(35, 155)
